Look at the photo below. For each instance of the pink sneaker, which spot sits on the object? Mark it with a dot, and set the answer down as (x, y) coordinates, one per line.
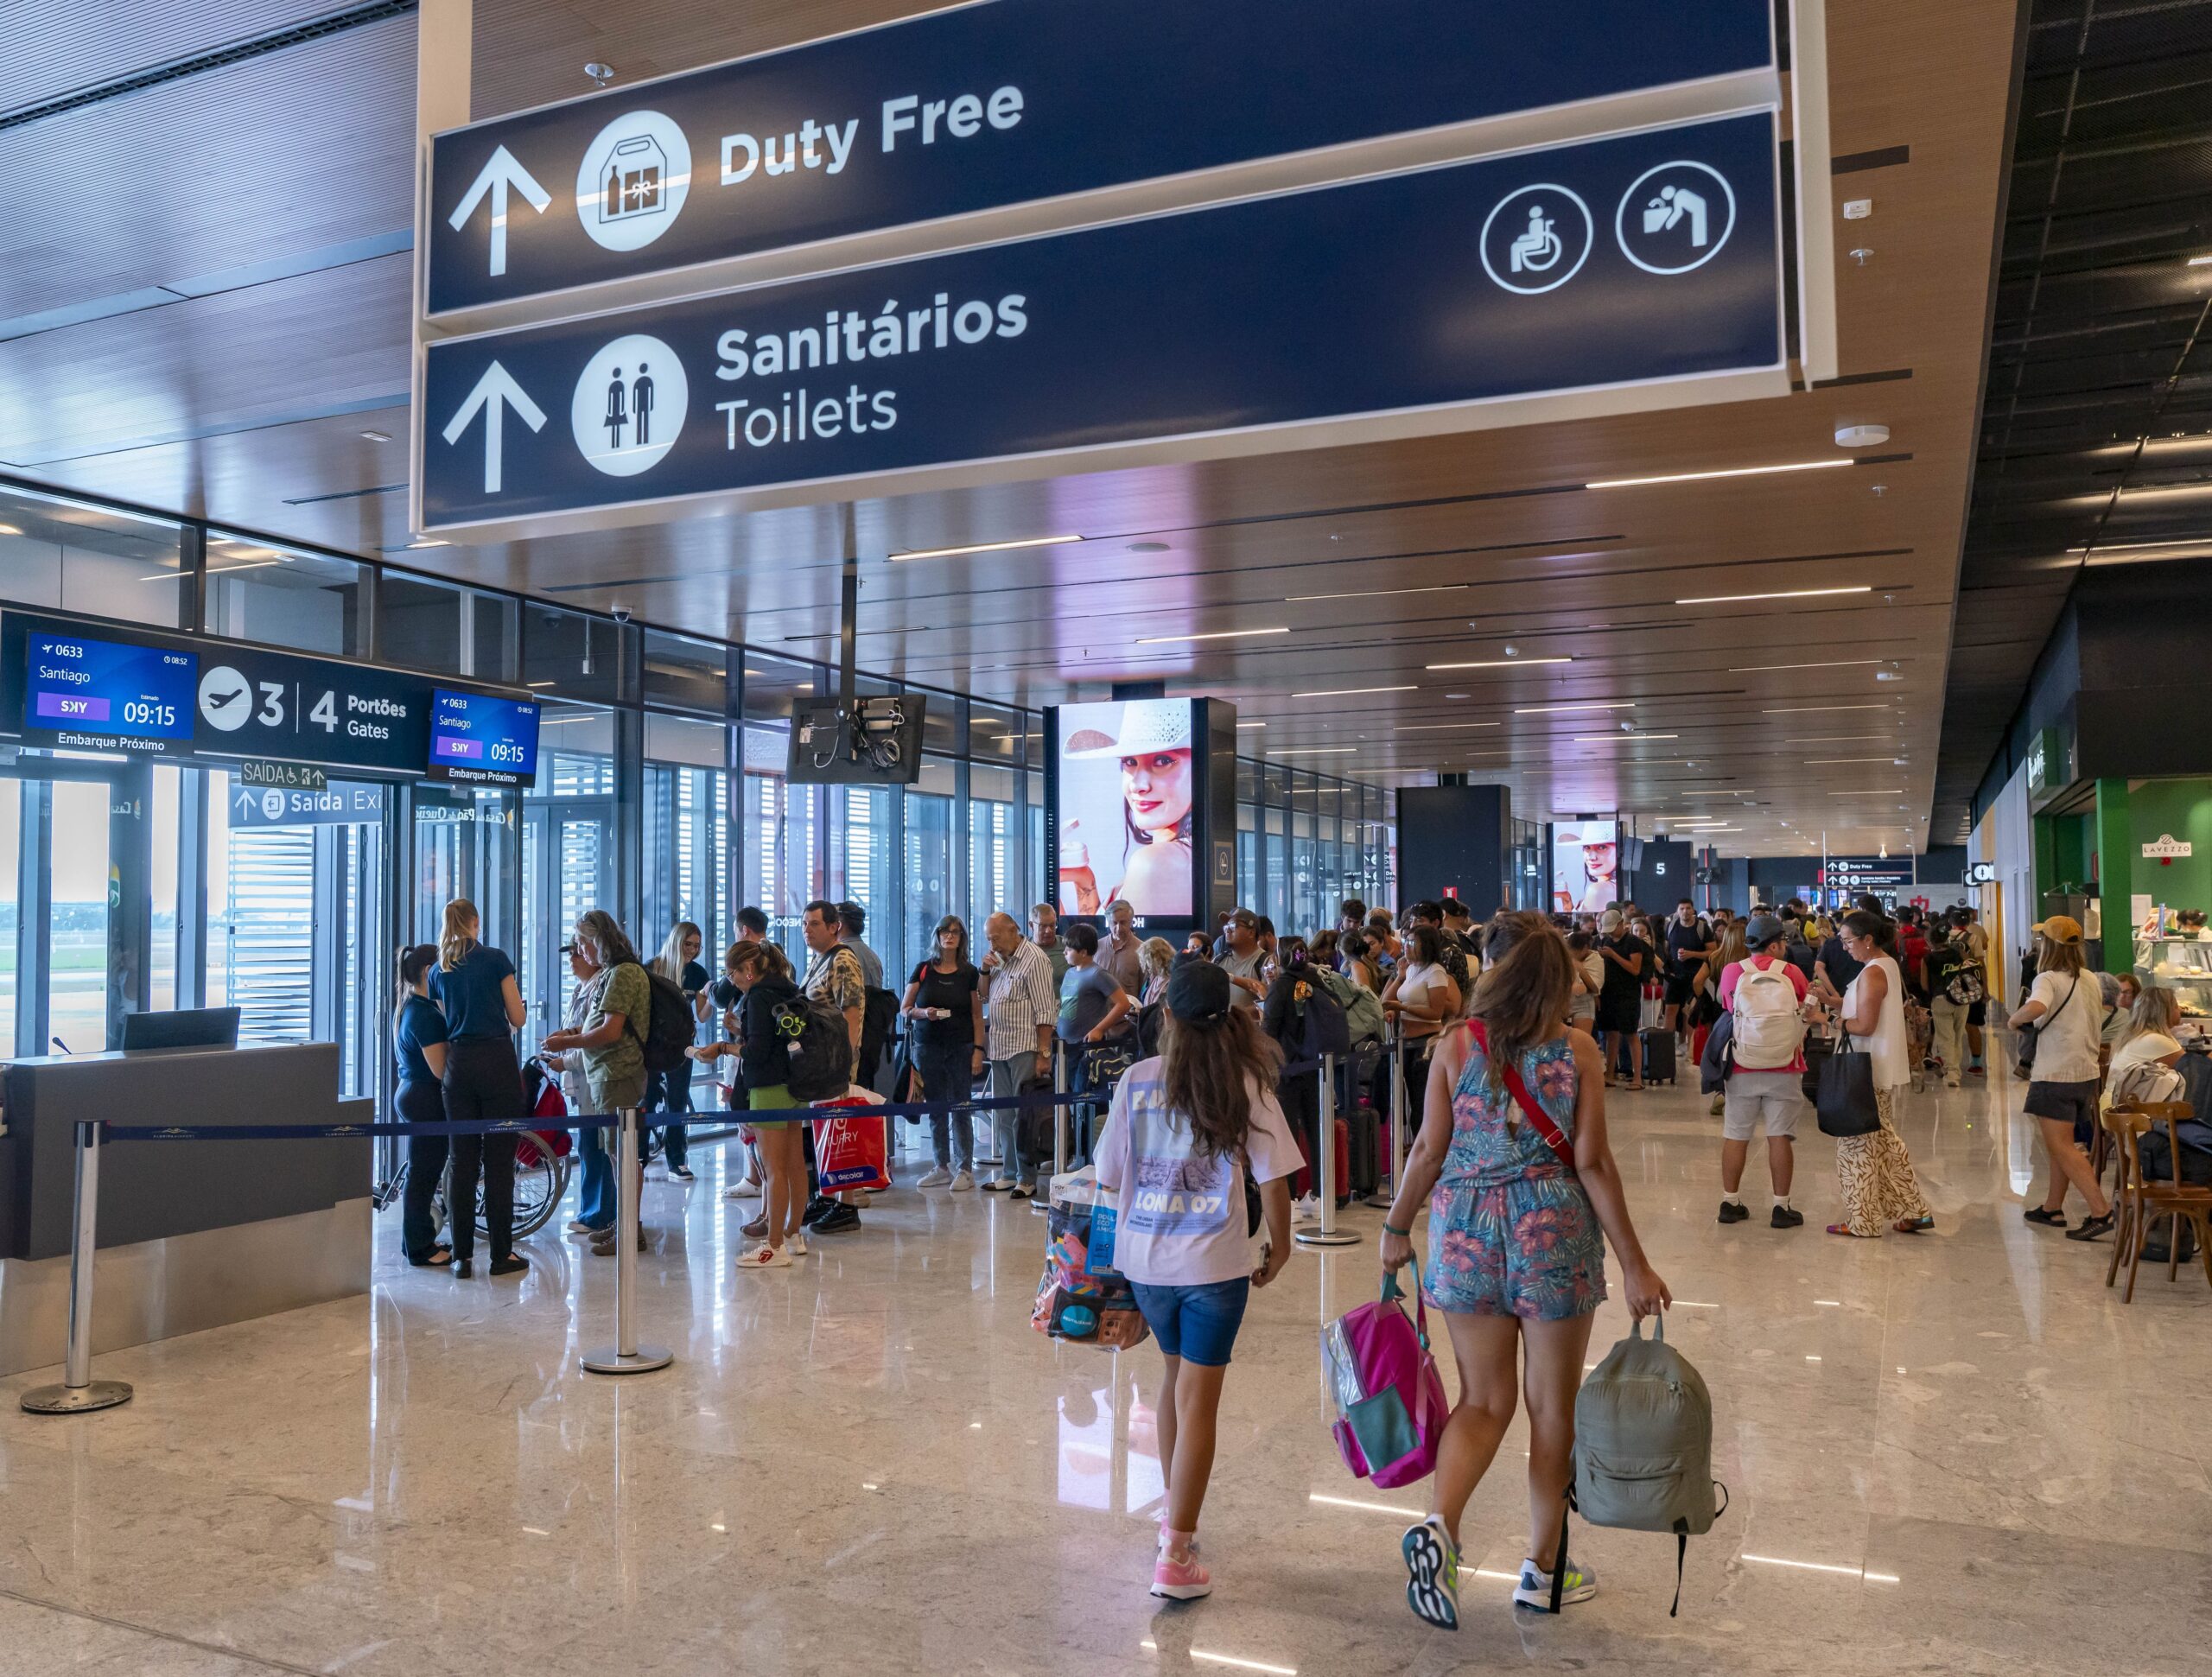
(1180, 1581)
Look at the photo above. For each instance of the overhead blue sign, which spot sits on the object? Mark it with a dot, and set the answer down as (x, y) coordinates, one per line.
(1648, 257)
(337, 803)
(483, 739)
(1013, 102)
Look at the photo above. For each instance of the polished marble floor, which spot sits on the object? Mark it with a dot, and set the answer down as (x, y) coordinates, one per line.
(1957, 1453)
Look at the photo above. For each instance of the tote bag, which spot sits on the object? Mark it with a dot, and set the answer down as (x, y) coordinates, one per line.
(1846, 1100)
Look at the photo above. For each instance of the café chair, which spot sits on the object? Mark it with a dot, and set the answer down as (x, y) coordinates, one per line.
(2143, 1204)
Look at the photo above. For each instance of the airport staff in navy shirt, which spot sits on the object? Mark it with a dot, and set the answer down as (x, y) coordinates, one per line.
(475, 985)
(418, 1036)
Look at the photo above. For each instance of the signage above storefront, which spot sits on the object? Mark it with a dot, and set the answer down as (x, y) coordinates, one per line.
(2050, 766)
(68, 685)
(1009, 118)
(2167, 848)
(1438, 299)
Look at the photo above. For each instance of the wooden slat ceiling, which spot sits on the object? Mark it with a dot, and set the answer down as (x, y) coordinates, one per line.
(1496, 531)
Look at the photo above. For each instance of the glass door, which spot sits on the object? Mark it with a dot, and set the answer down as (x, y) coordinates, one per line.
(567, 866)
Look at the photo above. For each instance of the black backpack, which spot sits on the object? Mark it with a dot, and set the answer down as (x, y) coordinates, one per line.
(820, 1046)
(669, 1025)
(1323, 1027)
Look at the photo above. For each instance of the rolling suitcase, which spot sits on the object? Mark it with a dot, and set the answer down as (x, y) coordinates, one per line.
(1658, 1056)
(1366, 1146)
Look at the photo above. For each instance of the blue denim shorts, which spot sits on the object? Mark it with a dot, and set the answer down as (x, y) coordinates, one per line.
(1197, 1323)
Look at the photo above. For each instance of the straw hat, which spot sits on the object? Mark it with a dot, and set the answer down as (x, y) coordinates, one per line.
(1146, 725)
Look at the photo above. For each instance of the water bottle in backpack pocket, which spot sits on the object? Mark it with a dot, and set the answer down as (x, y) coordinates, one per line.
(1644, 1448)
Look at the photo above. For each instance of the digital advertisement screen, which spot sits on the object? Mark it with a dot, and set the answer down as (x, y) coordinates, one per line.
(108, 690)
(1585, 862)
(474, 736)
(1129, 790)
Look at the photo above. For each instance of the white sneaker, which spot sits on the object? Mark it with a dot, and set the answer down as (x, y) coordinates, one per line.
(935, 1178)
(998, 1185)
(747, 1189)
(1307, 1207)
(963, 1183)
(578, 1226)
(796, 1244)
(764, 1257)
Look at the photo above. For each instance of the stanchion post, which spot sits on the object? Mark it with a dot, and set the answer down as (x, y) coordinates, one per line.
(79, 1391)
(1325, 1166)
(627, 1355)
(1060, 1108)
(1397, 1113)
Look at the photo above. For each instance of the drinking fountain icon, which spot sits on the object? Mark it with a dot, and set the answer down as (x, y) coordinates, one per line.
(1535, 251)
(1671, 208)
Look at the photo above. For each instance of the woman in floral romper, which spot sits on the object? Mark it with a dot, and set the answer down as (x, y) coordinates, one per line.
(1515, 1259)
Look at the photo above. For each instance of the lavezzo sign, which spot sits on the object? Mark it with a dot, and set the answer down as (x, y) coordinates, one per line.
(1008, 103)
(1440, 288)
(2166, 847)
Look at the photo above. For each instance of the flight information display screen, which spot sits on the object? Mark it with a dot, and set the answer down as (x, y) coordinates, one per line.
(477, 737)
(106, 691)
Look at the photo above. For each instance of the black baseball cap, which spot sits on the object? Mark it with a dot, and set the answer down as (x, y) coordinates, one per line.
(1198, 990)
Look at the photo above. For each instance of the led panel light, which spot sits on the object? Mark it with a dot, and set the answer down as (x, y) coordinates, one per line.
(1499, 664)
(1352, 692)
(984, 547)
(1784, 594)
(1725, 471)
(1216, 634)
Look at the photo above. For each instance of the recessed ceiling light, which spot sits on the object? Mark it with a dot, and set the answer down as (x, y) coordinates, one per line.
(1786, 594)
(1352, 692)
(1800, 709)
(1871, 791)
(1547, 709)
(1379, 594)
(752, 672)
(1241, 726)
(538, 683)
(1730, 472)
(1312, 751)
(1614, 738)
(985, 547)
(1824, 761)
(1434, 727)
(1834, 739)
(377, 436)
(1498, 664)
(1217, 634)
(1147, 547)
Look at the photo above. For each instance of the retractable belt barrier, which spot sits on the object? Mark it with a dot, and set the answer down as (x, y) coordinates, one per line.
(79, 1393)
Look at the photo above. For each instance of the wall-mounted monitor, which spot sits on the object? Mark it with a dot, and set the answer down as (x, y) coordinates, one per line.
(1585, 864)
(94, 692)
(483, 739)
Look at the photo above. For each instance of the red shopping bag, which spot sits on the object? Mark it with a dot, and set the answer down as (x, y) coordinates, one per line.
(850, 1152)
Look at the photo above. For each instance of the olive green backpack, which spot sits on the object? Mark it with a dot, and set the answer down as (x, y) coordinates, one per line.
(1644, 1449)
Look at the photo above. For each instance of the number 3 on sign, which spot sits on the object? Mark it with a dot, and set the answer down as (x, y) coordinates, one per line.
(271, 713)
(326, 712)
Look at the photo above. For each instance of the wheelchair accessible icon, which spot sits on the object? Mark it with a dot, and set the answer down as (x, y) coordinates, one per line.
(1539, 236)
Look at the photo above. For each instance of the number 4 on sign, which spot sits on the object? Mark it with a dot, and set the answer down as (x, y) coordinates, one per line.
(495, 392)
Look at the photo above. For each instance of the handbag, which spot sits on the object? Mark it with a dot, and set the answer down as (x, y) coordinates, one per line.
(1846, 1102)
(2024, 1050)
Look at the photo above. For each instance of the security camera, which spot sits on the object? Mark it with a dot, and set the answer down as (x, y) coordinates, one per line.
(621, 614)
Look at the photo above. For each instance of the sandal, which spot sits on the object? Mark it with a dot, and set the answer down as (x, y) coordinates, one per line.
(439, 1258)
(1844, 1228)
(2048, 1219)
(1913, 1225)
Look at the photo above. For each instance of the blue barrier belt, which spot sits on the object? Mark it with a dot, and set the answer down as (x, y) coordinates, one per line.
(113, 1132)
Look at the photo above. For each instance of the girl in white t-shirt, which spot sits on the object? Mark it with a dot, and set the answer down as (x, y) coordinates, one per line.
(1184, 1132)
(2067, 1008)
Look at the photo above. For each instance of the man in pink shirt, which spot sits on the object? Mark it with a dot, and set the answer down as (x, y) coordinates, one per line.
(1764, 996)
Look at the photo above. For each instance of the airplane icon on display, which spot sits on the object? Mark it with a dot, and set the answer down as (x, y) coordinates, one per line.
(219, 700)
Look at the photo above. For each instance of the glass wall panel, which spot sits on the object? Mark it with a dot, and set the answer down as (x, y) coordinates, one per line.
(684, 674)
(12, 919)
(284, 596)
(686, 872)
(569, 855)
(167, 779)
(993, 883)
(75, 557)
(864, 860)
(929, 894)
(429, 624)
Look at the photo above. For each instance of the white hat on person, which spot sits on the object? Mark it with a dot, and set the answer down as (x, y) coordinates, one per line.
(1148, 726)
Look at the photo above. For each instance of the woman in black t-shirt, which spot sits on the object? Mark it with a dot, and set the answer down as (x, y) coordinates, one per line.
(944, 1010)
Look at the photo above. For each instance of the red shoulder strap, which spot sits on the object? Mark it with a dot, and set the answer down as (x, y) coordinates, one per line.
(1519, 1090)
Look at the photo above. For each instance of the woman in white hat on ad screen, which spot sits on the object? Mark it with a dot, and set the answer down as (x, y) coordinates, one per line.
(1153, 745)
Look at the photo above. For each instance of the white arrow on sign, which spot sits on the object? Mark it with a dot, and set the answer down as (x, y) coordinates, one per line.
(498, 175)
(495, 392)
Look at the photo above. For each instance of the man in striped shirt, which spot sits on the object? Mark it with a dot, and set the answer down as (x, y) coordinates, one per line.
(1020, 1009)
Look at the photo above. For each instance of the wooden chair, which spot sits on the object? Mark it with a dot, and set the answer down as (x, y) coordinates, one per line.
(2144, 1203)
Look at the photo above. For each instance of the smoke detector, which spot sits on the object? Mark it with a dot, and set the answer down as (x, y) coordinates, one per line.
(1860, 436)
